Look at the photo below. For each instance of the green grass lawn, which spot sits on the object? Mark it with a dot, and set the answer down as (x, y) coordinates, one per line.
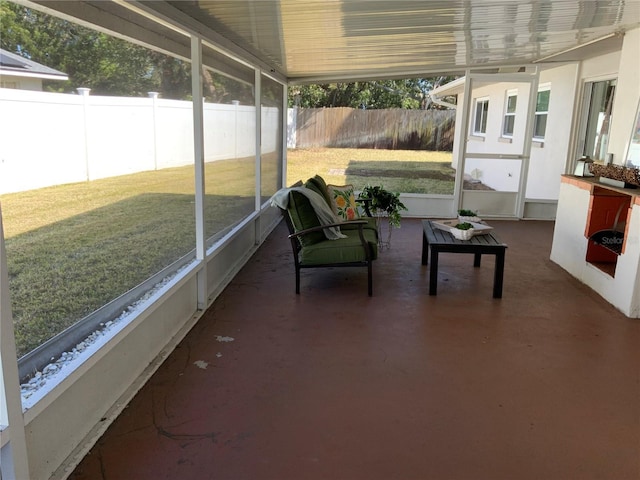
(73, 248)
(403, 171)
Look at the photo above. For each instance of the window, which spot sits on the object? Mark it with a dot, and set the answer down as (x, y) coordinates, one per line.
(272, 98)
(542, 110)
(70, 257)
(633, 152)
(230, 147)
(480, 121)
(509, 113)
(598, 103)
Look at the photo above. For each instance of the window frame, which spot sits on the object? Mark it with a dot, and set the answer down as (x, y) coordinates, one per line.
(589, 123)
(540, 113)
(513, 93)
(480, 122)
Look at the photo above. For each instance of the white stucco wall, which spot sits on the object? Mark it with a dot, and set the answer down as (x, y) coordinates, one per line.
(601, 67)
(569, 243)
(570, 247)
(627, 97)
(549, 158)
(492, 141)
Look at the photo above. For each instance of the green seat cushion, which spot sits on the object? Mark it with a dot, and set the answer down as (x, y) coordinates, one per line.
(343, 250)
(303, 216)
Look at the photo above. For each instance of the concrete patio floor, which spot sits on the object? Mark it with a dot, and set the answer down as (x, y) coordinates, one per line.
(331, 384)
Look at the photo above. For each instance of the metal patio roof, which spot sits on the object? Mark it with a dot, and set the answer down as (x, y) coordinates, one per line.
(316, 41)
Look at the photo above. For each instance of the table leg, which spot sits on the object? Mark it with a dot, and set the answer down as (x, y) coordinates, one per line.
(476, 259)
(425, 249)
(498, 274)
(433, 273)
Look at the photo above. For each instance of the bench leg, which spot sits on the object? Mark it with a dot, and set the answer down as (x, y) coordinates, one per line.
(370, 282)
(498, 275)
(297, 280)
(476, 259)
(433, 273)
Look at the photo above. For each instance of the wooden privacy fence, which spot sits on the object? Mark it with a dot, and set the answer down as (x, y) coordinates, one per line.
(396, 128)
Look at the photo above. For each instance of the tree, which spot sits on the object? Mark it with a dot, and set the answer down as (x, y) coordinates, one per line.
(412, 93)
(107, 65)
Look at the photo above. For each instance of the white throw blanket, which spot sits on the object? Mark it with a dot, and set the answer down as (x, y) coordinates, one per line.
(324, 213)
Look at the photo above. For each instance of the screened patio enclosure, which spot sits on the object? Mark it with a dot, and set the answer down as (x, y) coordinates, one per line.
(264, 46)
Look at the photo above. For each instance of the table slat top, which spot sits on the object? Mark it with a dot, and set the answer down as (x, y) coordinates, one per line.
(440, 237)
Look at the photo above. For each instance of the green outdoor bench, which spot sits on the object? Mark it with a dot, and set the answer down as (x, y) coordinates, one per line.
(357, 245)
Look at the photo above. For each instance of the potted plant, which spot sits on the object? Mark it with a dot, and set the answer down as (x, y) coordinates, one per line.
(383, 204)
(468, 216)
(463, 231)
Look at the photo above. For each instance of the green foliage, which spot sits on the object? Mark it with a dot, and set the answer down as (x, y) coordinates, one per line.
(384, 201)
(464, 226)
(467, 213)
(411, 93)
(107, 65)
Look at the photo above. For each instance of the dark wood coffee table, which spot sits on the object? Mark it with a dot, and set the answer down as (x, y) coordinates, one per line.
(441, 241)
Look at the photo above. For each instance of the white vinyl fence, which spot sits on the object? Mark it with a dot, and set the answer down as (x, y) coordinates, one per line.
(50, 138)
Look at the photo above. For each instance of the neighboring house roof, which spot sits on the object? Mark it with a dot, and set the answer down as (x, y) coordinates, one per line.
(13, 64)
(452, 88)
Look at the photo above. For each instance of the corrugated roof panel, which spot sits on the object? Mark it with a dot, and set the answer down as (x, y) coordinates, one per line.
(347, 39)
(307, 38)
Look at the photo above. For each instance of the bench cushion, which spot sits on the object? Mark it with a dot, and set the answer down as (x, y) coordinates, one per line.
(318, 185)
(303, 216)
(343, 250)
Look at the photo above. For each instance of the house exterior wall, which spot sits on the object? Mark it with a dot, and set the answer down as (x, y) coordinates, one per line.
(556, 154)
(20, 83)
(569, 241)
(548, 157)
(627, 99)
(502, 175)
(601, 67)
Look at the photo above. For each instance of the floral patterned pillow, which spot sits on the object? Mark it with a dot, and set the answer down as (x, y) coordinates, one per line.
(343, 201)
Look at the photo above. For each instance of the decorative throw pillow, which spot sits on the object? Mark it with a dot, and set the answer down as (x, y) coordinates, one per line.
(343, 201)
